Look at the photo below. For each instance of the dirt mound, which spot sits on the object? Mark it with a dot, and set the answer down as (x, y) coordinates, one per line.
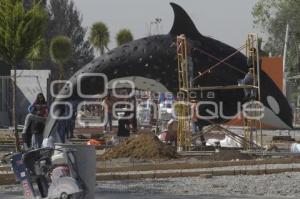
(145, 146)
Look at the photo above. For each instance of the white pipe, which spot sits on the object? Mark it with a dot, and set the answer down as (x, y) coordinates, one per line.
(284, 60)
(258, 65)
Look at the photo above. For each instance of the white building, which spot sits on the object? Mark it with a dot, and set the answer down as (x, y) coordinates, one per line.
(29, 84)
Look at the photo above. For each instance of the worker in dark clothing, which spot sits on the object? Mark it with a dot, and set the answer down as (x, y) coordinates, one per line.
(124, 125)
(250, 93)
(248, 80)
(134, 119)
(252, 59)
(32, 133)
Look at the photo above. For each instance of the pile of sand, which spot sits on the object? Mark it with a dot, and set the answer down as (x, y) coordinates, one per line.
(145, 146)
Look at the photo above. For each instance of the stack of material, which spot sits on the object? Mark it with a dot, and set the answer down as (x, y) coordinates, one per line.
(145, 146)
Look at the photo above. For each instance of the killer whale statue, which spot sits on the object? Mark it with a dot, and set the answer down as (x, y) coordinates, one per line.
(155, 57)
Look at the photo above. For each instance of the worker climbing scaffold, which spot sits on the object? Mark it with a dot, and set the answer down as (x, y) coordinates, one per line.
(252, 95)
(250, 84)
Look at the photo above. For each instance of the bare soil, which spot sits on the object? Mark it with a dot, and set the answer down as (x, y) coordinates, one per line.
(145, 146)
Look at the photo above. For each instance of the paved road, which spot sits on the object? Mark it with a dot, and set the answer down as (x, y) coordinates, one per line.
(99, 195)
(131, 196)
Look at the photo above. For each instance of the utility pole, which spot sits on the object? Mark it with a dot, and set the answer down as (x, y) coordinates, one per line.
(14, 115)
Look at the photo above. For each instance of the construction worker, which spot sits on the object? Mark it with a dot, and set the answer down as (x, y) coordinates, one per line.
(108, 105)
(194, 118)
(248, 80)
(32, 133)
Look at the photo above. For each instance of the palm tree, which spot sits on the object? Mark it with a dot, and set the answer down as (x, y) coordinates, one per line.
(20, 30)
(124, 36)
(38, 53)
(60, 52)
(99, 36)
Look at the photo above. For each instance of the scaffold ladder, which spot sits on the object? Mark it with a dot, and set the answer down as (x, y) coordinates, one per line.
(251, 125)
(184, 135)
(182, 58)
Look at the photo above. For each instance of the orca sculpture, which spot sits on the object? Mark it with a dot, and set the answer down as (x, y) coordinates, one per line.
(155, 57)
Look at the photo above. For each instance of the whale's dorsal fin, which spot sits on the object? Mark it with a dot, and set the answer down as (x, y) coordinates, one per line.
(183, 24)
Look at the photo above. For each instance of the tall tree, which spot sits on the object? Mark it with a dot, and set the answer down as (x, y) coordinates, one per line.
(99, 37)
(60, 52)
(66, 20)
(20, 30)
(29, 3)
(124, 36)
(272, 16)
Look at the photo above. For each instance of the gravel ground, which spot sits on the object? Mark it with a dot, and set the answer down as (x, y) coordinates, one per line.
(285, 185)
(230, 168)
(279, 185)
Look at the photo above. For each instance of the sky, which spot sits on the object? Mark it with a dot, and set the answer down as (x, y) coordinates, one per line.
(226, 20)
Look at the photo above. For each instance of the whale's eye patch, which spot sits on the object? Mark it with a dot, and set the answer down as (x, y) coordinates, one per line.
(273, 104)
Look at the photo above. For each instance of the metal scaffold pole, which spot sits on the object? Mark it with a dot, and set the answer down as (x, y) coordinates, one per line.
(252, 53)
(182, 107)
(184, 137)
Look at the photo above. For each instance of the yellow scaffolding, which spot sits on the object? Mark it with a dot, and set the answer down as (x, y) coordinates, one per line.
(184, 135)
(251, 125)
(182, 58)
